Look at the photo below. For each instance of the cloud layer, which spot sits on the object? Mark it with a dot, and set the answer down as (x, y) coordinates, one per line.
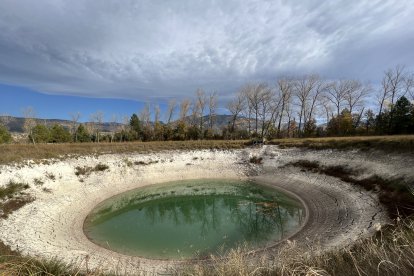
(159, 49)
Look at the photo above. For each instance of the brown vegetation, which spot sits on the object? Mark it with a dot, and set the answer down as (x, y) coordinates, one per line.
(18, 153)
(88, 170)
(397, 143)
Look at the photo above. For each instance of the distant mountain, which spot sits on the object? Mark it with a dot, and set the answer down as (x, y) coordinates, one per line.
(16, 124)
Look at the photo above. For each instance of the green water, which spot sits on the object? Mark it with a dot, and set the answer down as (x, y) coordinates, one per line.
(192, 219)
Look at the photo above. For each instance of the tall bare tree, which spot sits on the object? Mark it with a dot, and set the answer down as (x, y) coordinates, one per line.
(395, 83)
(409, 86)
(254, 94)
(355, 95)
(201, 103)
(29, 115)
(285, 87)
(114, 126)
(270, 109)
(336, 93)
(172, 104)
(246, 91)
(327, 108)
(303, 88)
(74, 118)
(184, 108)
(212, 105)
(97, 120)
(195, 113)
(236, 106)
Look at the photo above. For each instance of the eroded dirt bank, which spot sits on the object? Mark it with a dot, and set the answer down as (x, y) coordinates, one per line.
(66, 191)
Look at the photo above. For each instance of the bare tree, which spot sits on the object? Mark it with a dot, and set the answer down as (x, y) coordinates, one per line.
(303, 88)
(236, 106)
(74, 117)
(395, 77)
(395, 83)
(269, 110)
(123, 126)
(97, 120)
(145, 117)
(317, 93)
(201, 103)
(246, 92)
(113, 125)
(212, 105)
(29, 115)
(327, 108)
(184, 108)
(285, 87)
(336, 93)
(195, 113)
(355, 95)
(157, 113)
(254, 95)
(172, 104)
(409, 86)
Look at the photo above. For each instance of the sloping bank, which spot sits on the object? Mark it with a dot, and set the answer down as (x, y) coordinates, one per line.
(51, 226)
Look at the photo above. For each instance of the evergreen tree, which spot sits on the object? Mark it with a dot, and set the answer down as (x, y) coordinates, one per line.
(58, 134)
(136, 128)
(400, 117)
(83, 134)
(40, 134)
(5, 136)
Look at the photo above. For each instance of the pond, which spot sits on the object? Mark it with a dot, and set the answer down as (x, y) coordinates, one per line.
(193, 219)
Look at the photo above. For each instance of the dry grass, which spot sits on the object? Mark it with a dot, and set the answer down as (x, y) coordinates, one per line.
(39, 152)
(11, 189)
(88, 170)
(390, 252)
(398, 143)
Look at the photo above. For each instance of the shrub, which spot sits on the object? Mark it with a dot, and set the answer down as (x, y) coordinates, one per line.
(11, 189)
(256, 160)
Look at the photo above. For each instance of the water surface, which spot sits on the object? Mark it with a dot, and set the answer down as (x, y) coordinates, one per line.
(193, 218)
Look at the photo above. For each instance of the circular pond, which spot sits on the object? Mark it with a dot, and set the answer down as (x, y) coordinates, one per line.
(193, 219)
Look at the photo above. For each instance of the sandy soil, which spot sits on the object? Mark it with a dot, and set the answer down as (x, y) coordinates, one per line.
(51, 226)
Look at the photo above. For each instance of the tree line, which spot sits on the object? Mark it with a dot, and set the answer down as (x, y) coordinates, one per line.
(292, 107)
(305, 106)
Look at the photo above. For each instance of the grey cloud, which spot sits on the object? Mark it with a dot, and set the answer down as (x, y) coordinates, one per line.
(141, 49)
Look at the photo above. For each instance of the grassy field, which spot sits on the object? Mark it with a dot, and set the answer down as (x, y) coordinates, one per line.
(20, 152)
(398, 143)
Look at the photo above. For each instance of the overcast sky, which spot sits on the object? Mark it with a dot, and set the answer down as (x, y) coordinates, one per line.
(148, 49)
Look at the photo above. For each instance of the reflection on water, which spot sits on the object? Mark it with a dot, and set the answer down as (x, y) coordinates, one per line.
(193, 219)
